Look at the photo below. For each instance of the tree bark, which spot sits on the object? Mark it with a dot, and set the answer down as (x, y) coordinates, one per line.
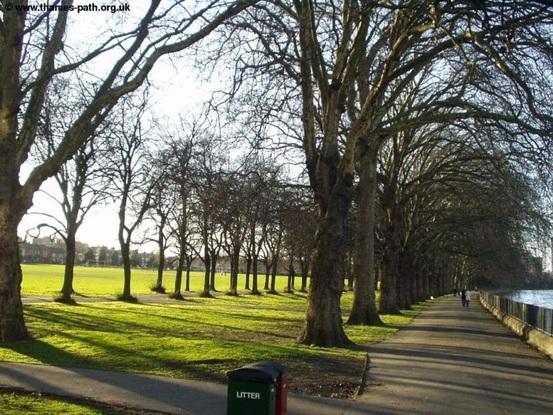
(161, 265)
(234, 262)
(363, 310)
(388, 286)
(248, 269)
(125, 255)
(178, 277)
(12, 325)
(304, 264)
(272, 288)
(188, 266)
(207, 273)
(276, 258)
(404, 282)
(213, 272)
(267, 274)
(323, 322)
(70, 252)
(255, 289)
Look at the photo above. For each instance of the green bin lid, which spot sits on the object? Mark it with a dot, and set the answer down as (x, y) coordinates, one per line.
(260, 372)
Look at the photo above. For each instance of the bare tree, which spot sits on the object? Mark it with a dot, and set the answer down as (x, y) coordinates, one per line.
(31, 45)
(273, 242)
(299, 219)
(234, 222)
(206, 170)
(162, 205)
(181, 151)
(352, 61)
(132, 181)
(80, 180)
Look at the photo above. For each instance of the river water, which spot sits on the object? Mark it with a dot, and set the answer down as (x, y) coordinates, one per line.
(541, 298)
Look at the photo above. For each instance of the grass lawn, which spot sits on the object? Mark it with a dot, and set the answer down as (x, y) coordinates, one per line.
(197, 338)
(30, 404)
(47, 279)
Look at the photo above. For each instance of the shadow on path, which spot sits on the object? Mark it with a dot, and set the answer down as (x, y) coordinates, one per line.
(458, 360)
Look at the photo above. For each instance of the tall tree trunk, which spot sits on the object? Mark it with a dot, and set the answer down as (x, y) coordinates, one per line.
(178, 277)
(323, 323)
(188, 266)
(12, 208)
(12, 324)
(161, 265)
(304, 264)
(70, 252)
(213, 272)
(255, 290)
(388, 285)
(414, 284)
(248, 269)
(207, 273)
(426, 285)
(404, 282)
(363, 310)
(124, 243)
(274, 267)
(234, 262)
(267, 274)
(125, 255)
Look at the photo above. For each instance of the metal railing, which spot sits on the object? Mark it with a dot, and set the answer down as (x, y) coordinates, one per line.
(538, 317)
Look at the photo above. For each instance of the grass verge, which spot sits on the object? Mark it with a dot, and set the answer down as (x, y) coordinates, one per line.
(31, 403)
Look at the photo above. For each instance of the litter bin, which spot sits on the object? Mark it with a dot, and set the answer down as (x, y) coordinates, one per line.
(281, 385)
(257, 389)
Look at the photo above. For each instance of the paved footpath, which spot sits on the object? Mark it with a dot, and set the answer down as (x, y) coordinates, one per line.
(450, 360)
(454, 360)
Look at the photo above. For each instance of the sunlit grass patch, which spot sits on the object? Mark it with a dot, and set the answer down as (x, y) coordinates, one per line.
(31, 404)
(47, 279)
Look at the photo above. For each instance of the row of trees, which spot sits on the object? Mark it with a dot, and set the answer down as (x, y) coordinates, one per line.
(448, 207)
(194, 200)
(423, 123)
(363, 75)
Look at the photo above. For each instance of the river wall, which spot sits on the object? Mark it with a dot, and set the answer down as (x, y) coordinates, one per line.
(534, 324)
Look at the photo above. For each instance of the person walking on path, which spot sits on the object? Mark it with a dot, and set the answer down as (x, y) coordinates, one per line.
(463, 296)
(467, 298)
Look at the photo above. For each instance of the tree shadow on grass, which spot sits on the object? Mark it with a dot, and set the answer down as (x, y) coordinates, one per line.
(65, 321)
(43, 352)
(82, 321)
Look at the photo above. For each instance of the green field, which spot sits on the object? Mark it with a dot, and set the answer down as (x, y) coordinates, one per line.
(197, 338)
(30, 404)
(41, 279)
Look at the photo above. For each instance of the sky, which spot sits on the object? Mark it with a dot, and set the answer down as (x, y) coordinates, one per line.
(175, 93)
(177, 89)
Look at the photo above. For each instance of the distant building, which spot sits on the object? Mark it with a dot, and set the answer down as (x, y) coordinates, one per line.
(43, 250)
